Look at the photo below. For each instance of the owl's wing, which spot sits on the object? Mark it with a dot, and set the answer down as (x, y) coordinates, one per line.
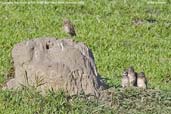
(146, 82)
(72, 29)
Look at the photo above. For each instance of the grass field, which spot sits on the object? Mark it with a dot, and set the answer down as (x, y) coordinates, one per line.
(110, 29)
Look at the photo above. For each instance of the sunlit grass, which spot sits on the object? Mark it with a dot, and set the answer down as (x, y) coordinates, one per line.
(106, 27)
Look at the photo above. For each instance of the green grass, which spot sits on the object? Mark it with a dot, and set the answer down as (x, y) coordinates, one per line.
(129, 101)
(135, 101)
(29, 101)
(106, 27)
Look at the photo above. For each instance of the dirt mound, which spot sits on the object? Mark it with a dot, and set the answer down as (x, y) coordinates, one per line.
(47, 63)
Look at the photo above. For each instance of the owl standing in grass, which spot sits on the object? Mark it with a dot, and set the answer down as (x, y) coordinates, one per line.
(69, 27)
(141, 80)
(132, 76)
(125, 79)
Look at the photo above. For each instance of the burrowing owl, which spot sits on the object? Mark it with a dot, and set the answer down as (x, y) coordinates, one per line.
(125, 79)
(69, 27)
(132, 76)
(141, 80)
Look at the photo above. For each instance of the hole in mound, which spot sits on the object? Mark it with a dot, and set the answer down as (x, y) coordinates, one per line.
(47, 46)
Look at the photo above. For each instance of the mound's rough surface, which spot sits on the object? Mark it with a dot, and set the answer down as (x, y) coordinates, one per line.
(48, 63)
